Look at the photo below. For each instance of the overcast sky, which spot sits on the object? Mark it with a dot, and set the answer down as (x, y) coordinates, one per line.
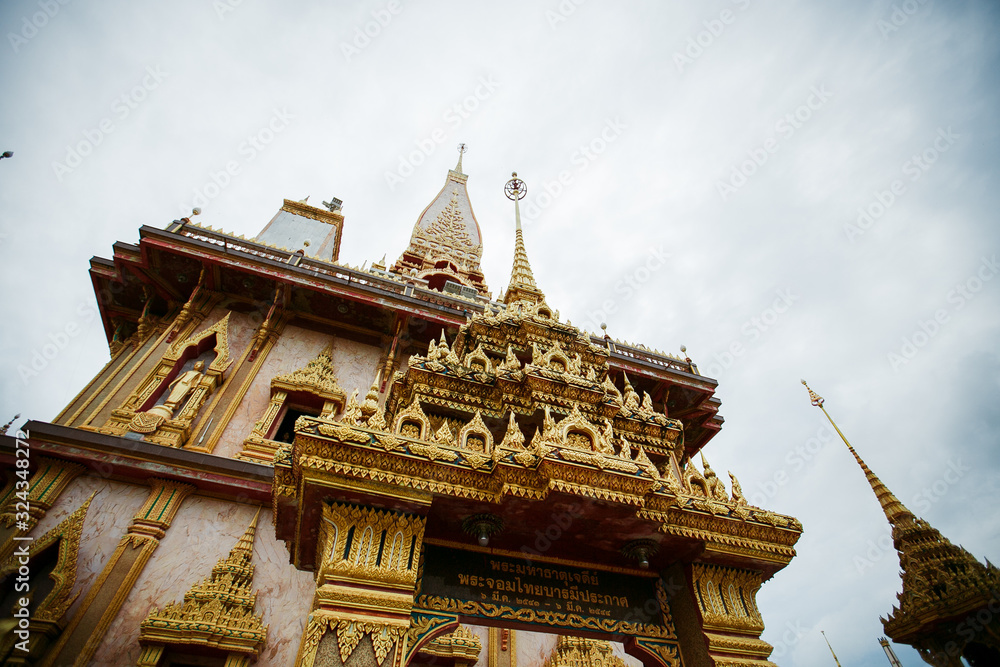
(822, 177)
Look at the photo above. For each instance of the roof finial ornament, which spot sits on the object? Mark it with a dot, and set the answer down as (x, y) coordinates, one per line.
(462, 149)
(522, 283)
(516, 190)
(815, 398)
(893, 509)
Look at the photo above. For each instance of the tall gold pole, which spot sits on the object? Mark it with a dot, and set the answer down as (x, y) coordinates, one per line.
(831, 648)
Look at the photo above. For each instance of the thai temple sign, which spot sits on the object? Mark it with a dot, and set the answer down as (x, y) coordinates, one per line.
(440, 471)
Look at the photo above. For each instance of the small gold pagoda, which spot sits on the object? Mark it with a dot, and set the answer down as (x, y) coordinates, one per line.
(949, 608)
(217, 614)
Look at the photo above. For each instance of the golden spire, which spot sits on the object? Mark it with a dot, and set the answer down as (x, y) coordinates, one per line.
(893, 508)
(244, 546)
(462, 148)
(218, 611)
(938, 577)
(821, 632)
(522, 285)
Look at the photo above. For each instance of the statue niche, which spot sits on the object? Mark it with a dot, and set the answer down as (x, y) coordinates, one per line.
(179, 390)
(165, 405)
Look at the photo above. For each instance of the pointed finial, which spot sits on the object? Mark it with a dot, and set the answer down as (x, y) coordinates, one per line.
(894, 510)
(462, 149)
(515, 188)
(814, 398)
(6, 427)
(245, 543)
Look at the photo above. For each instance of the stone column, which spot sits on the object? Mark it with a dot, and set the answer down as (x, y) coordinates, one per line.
(365, 584)
(85, 631)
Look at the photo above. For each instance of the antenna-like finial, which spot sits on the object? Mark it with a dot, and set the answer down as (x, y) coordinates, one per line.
(462, 149)
(515, 189)
(827, 640)
(893, 509)
(815, 398)
(522, 283)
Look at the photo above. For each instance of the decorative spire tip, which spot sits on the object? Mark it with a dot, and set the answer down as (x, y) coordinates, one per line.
(814, 398)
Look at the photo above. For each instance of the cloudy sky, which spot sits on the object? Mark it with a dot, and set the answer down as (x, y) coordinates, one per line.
(790, 189)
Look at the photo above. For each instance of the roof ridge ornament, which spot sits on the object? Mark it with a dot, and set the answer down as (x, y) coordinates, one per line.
(522, 285)
(462, 149)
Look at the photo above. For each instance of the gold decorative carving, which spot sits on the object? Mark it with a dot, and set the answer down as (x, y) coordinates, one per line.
(146, 422)
(221, 331)
(49, 480)
(542, 617)
(424, 625)
(317, 377)
(67, 534)
(476, 428)
(461, 644)
(350, 537)
(174, 429)
(578, 652)
(218, 612)
(514, 437)
(667, 653)
(727, 598)
(383, 637)
(413, 414)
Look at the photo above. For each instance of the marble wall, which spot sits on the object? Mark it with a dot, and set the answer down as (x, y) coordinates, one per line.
(205, 530)
(107, 520)
(534, 648)
(354, 364)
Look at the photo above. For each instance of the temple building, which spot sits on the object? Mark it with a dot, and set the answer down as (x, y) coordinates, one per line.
(949, 608)
(292, 461)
